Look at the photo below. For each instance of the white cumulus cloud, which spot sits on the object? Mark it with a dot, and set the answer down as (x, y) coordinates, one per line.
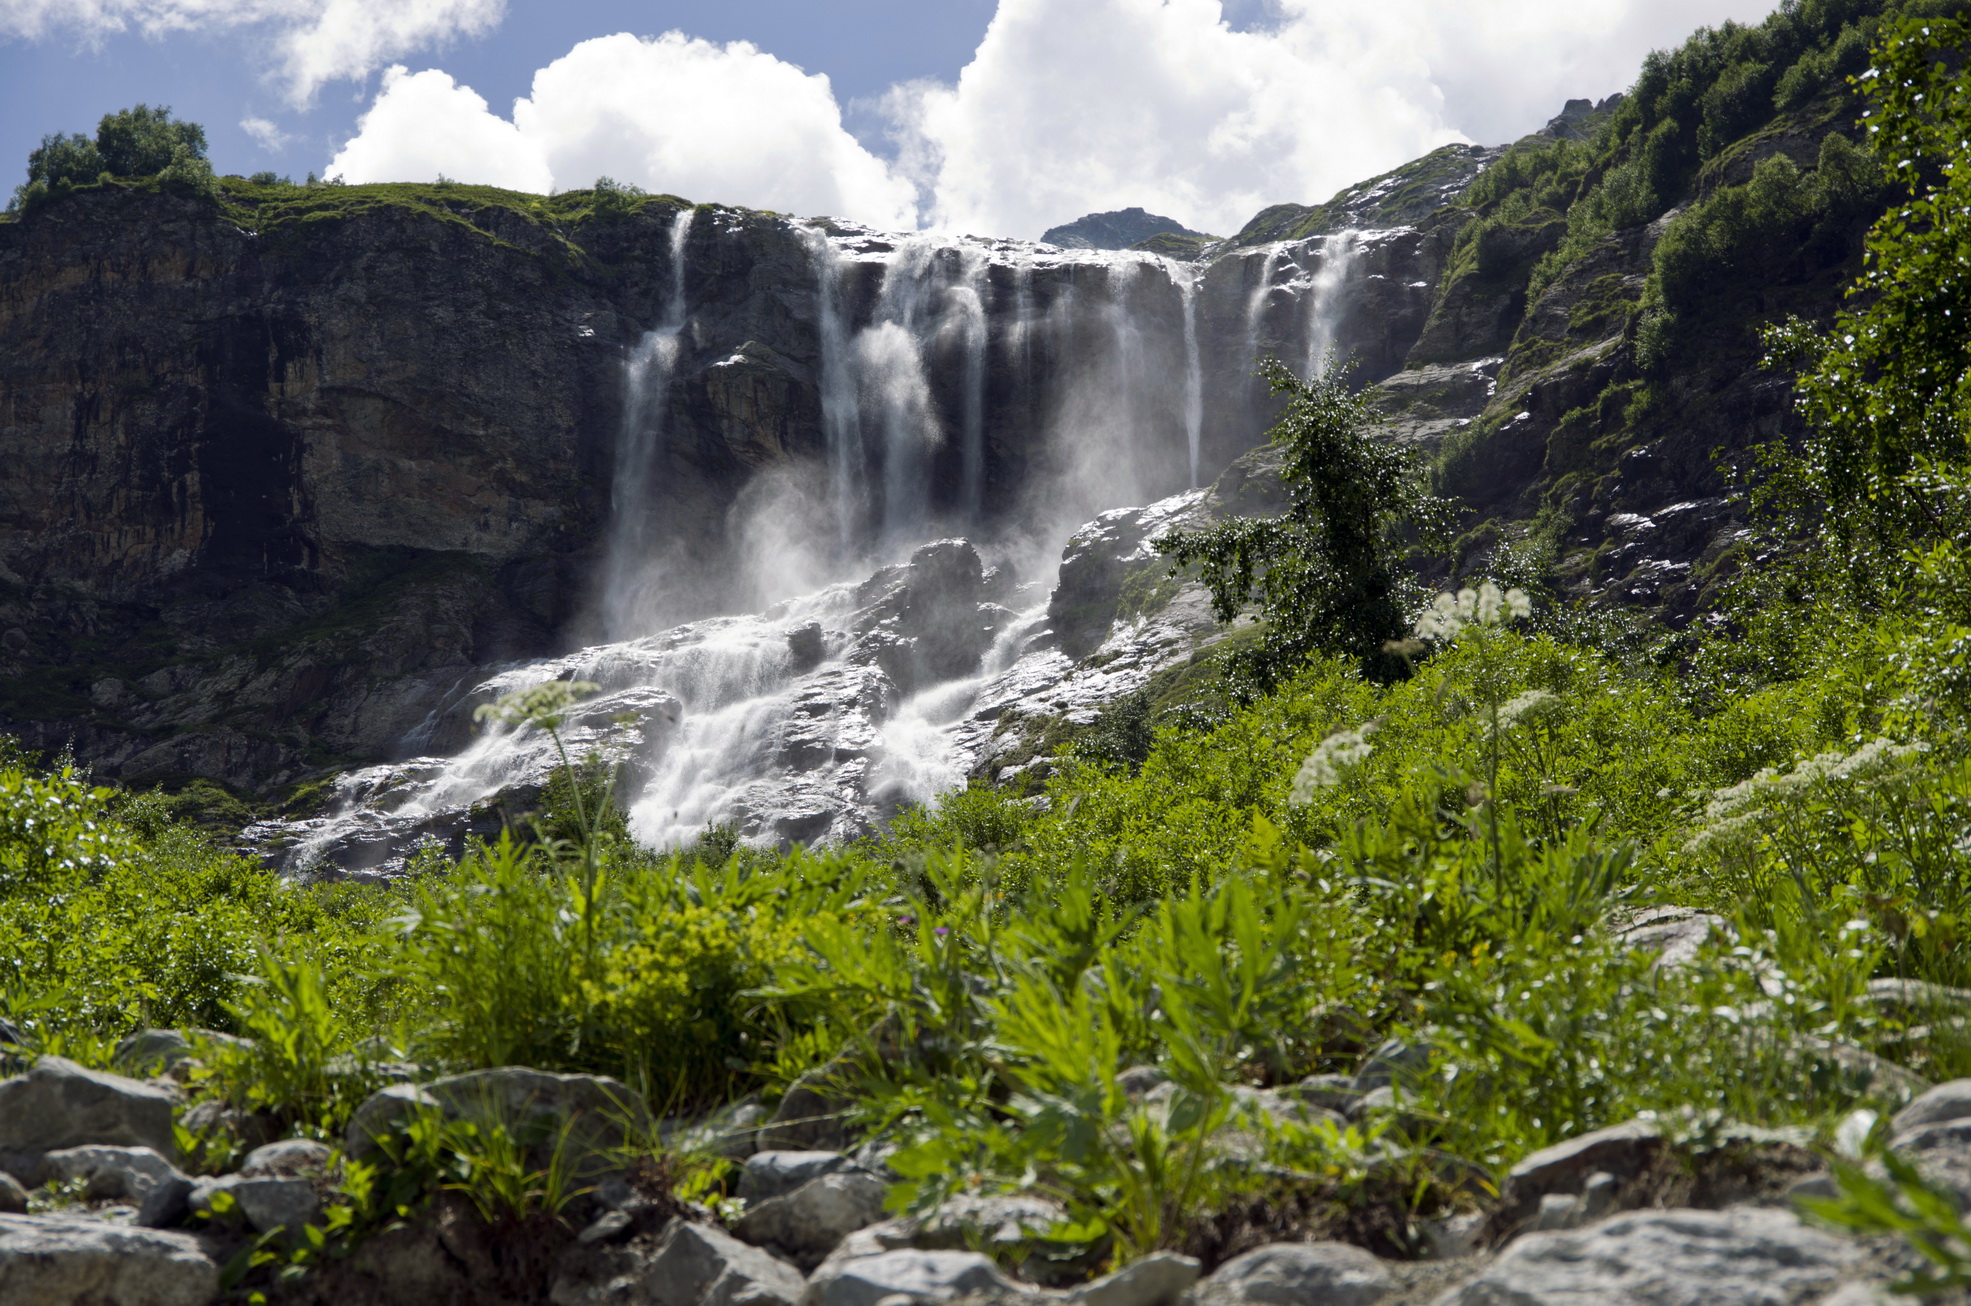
(710, 122)
(1067, 107)
(424, 124)
(313, 41)
(1073, 106)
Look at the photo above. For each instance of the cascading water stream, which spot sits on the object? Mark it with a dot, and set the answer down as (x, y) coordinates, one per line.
(1326, 296)
(1186, 278)
(968, 316)
(634, 575)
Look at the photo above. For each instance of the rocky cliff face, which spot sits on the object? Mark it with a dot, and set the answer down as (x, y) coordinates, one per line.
(283, 471)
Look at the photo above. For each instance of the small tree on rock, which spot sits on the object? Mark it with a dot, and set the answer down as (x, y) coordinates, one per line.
(1329, 575)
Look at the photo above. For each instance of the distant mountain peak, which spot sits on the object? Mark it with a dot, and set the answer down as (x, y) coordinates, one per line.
(1118, 230)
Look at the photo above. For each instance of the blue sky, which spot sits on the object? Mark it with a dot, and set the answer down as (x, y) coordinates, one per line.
(997, 116)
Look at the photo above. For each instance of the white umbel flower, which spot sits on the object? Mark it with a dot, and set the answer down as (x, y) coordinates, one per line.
(1323, 767)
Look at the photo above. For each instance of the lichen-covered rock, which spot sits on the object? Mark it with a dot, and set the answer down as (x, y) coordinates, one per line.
(1296, 1274)
(919, 1275)
(775, 1174)
(76, 1262)
(113, 1174)
(1742, 1256)
(688, 1265)
(263, 1203)
(1619, 1150)
(59, 1104)
(289, 1158)
(809, 1222)
(590, 1120)
(1156, 1280)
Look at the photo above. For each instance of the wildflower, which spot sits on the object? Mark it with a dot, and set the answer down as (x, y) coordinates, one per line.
(1324, 765)
(1532, 704)
(1488, 605)
(941, 929)
(542, 706)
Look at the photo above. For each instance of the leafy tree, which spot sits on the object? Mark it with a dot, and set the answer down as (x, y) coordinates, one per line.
(135, 142)
(1328, 576)
(143, 141)
(1886, 389)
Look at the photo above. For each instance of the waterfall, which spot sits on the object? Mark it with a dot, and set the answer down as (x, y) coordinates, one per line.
(1256, 302)
(890, 363)
(632, 582)
(813, 719)
(841, 416)
(966, 315)
(1186, 277)
(1325, 297)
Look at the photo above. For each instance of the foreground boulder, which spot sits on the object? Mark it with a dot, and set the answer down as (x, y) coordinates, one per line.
(692, 1265)
(46, 1261)
(775, 1174)
(1158, 1280)
(810, 1222)
(1621, 1151)
(59, 1104)
(584, 1122)
(922, 1276)
(1296, 1274)
(110, 1174)
(1744, 1256)
(264, 1203)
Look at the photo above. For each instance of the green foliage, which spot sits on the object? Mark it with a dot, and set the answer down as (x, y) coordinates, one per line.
(137, 142)
(1328, 575)
(1881, 474)
(1754, 235)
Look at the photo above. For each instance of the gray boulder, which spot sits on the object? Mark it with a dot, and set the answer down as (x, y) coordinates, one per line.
(1395, 1062)
(13, 1197)
(1622, 1150)
(76, 1262)
(264, 1204)
(692, 1265)
(111, 1174)
(919, 1275)
(590, 1120)
(775, 1174)
(288, 1158)
(1332, 1092)
(1157, 1280)
(809, 1117)
(806, 1224)
(1742, 1256)
(1947, 1101)
(1003, 1220)
(1296, 1274)
(59, 1104)
(160, 1051)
